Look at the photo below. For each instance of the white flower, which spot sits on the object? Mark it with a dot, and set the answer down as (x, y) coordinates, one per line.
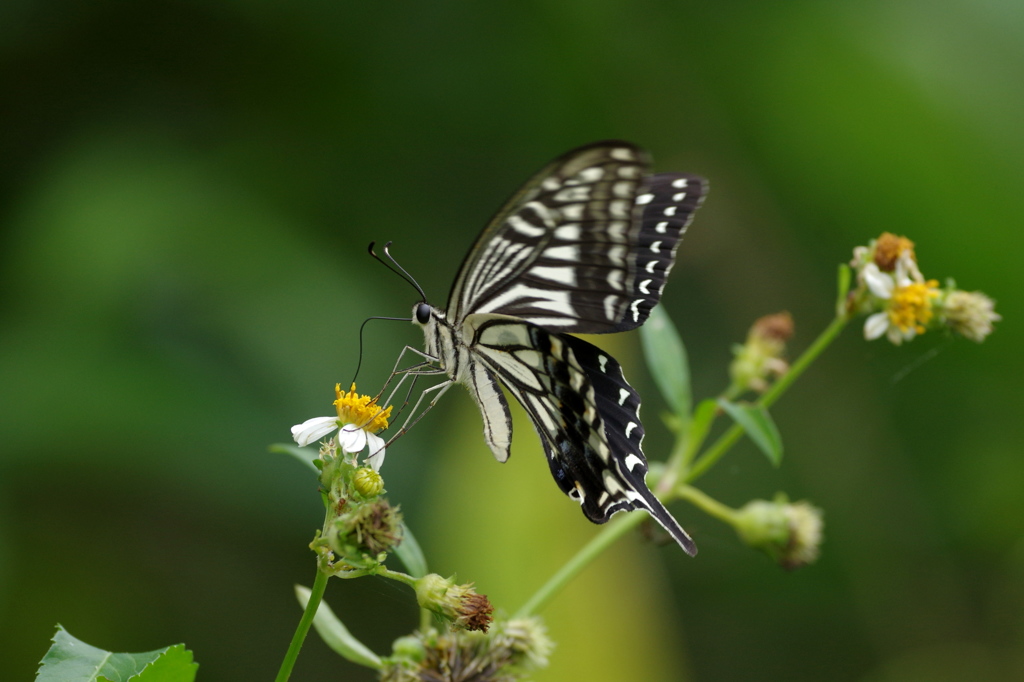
(351, 438)
(359, 417)
(908, 300)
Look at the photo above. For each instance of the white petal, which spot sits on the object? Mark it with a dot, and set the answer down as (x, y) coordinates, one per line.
(880, 283)
(894, 335)
(313, 429)
(876, 325)
(351, 438)
(376, 445)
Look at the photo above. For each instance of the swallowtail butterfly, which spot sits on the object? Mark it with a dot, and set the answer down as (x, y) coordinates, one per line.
(583, 248)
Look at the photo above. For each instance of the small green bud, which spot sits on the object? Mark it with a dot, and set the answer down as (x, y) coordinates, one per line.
(367, 482)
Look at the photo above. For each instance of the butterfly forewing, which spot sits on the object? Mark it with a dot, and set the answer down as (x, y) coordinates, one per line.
(560, 243)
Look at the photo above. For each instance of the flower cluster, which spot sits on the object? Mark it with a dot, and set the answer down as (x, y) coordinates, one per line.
(901, 304)
(508, 652)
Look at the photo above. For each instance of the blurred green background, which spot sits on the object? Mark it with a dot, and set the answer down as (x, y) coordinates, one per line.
(186, 194)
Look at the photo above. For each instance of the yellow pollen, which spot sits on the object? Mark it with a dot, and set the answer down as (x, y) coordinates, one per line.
(361, 410)
(911, 306)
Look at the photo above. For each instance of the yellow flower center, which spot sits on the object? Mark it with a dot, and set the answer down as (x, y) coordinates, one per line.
(911, 306)
(361, 410)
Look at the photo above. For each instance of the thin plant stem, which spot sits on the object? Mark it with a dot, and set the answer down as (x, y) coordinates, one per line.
(615, 529)
(733, 434)
(706, 503)
(315, 597)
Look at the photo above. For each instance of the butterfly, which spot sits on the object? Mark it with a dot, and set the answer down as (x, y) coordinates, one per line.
(584, 247)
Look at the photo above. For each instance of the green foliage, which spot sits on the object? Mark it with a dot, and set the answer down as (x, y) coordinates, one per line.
(410, 553)
(72, 660)
(666, 358)
(334, 633)
(759, 425)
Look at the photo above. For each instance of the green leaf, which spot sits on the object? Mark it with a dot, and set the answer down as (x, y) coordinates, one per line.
(304, 455)
(410, 553)
(667, 362)
(703, 417)
(336, 635)
(72, 660)
(758, 424)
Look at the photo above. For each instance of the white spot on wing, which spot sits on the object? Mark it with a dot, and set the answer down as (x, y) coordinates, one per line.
(629, 428)
(632, 461)
(570, 252)
(651, 264)
(671, 210)
(660, 227)
(563, 275)
(656, 247)
(622, 154)
(592, 174)
(573, 194)
(644, 199)
(521, 226)
(569, 232)
(615, 279)
(623, 396)
(572, 211)
(619, 208)
(679, 196)
(635, 307)
(609, 306)
(602, 360)
(623, 189)
(643, 286)
(680, 183)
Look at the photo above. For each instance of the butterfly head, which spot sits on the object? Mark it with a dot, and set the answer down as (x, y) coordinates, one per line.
(421, 313)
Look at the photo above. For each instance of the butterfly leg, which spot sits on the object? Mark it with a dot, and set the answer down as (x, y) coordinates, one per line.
(413, 417)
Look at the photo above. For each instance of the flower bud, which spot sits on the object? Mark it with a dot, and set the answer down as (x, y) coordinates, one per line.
(789, 533)
(761, 356)
(461, 605)
(969, 313)
(367, 482)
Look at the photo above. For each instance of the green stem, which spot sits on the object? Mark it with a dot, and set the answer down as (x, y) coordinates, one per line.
(707, 503)
(315, 597)
(615, 529)
(733, 434)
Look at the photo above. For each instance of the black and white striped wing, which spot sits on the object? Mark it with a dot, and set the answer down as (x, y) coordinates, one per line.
(586, 414)
(584, 247)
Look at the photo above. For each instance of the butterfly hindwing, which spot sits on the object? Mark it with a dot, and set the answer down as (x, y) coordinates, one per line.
(586, 414)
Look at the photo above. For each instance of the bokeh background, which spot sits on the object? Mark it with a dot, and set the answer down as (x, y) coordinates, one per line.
(186, 194)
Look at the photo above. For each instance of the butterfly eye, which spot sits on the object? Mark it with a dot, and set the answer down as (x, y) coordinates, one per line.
(423, 313)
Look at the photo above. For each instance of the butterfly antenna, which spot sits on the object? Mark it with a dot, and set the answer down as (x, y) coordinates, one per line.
(397, 269)
(359, 363)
